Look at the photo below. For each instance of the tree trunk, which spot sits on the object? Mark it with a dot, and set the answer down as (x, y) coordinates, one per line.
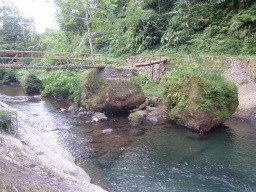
(88, 24)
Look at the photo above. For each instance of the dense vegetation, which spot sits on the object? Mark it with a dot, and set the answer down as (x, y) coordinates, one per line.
(193, 88)
(134, 26)
(128, 27)
(131, 26)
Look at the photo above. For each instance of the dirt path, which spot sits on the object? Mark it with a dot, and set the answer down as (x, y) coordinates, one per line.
(246, 88)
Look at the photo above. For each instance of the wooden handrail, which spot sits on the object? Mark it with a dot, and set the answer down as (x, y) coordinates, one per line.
(53, 53)
(151, 63)
(51, 66)
(58, 59)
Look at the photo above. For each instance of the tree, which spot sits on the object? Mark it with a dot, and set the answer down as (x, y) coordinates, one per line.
(14, 29)
(16, 32)
(95, 16)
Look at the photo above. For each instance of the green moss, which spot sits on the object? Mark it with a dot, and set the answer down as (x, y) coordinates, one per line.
(32, 84)
(93, 90)
(92, 81)
(221, 94)
(8, 76)
(188, 90)
(109, 95)
(136, 117)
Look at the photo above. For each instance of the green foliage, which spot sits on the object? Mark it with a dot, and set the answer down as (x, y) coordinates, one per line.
(6, 118)
(130, 27)
(8, 76)
(226, 46)
(220, 91)
(63, 84)
(204, 89)
(94, 91)
(16, 32)
(150, 87)
(92, 81)
(211, 27)
(32, 84)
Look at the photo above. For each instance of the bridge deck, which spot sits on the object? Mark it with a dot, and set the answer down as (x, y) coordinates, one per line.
(15, 66)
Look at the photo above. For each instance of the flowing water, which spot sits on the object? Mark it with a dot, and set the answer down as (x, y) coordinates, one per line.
(149, 158)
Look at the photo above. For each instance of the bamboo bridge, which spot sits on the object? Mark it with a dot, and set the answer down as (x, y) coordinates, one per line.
(152, 65)
(59, 60)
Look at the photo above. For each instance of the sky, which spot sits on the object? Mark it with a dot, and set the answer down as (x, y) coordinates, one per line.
(42, 11)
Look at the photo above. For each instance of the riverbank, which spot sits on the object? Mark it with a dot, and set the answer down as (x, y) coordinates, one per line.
(30, 161)
(239, 71)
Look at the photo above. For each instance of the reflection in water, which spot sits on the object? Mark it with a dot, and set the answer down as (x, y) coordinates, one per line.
(152, 158)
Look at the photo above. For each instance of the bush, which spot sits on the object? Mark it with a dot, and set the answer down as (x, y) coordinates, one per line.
(63, 84)
(32, 84)
(226, 46)
(8, 76)
(6, 118)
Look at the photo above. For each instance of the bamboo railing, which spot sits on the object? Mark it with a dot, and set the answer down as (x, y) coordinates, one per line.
(63, 59)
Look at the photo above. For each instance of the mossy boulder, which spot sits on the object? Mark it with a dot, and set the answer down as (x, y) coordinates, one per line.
(199, 101)
(137, 117)
(112, 96)
(32, 84)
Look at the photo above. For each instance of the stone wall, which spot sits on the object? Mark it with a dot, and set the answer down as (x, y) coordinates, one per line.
(118, 72)
(249, 64)
(153, 71)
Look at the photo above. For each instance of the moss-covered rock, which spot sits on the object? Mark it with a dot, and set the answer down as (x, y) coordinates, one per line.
(137, 117)
(111, 96)
(199, 101)
(32, 84)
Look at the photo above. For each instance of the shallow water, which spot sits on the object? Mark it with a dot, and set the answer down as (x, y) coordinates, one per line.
(161, 158)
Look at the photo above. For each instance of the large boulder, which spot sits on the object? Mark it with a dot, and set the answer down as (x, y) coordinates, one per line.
(32, 84)
(112, 96)
(199, 101)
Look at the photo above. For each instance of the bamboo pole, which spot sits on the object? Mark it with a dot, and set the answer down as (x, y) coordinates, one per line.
(51, 66)
(53, 53)
(58, 59)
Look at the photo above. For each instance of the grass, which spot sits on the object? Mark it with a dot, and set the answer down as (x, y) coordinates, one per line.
(150, 87)
(6, 118)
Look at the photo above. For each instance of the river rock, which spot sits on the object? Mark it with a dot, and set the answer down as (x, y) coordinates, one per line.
(149, 109)
(158, 114)
(137, 117)
(154, 101)
(144, 105)
(81, 109)
(107, 131)
(32, 84)
(200, 102)
(73, 108)
(99, 117)
(35, 98)
(108, 149)
(112, 96)
(63, 110)
(136, 132)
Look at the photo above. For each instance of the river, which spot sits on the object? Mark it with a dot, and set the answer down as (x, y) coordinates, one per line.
(150, 158)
